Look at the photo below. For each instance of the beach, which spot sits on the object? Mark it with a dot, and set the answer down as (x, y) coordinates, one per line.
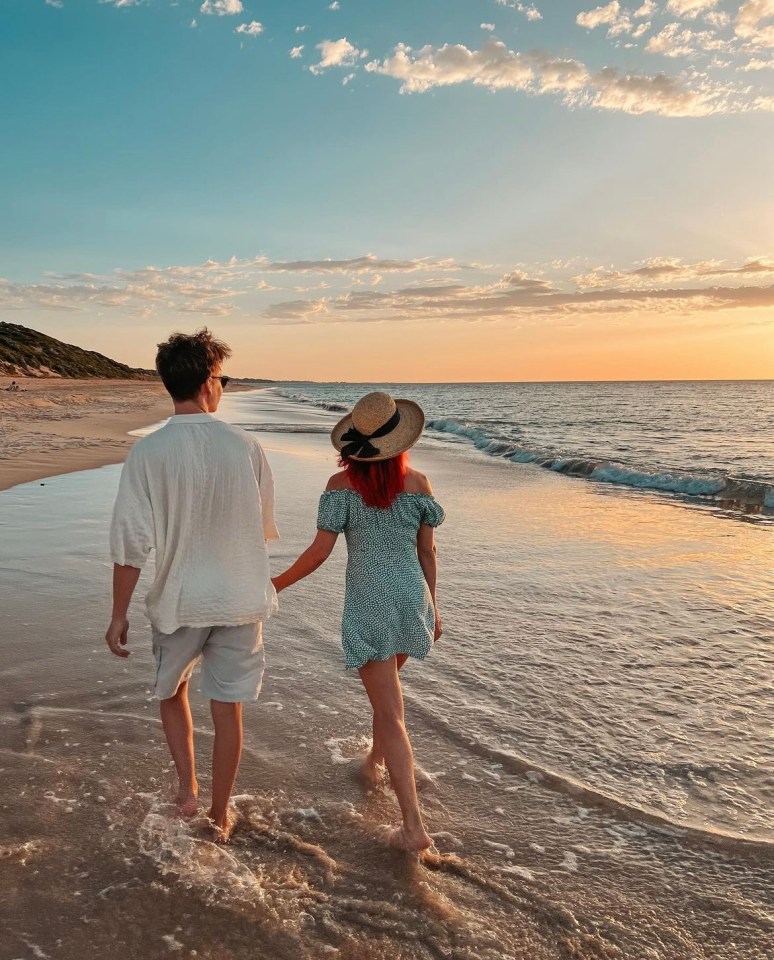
(56, 425)
(581, 730)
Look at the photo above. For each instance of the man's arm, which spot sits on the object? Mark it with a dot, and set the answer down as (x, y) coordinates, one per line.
(124, 581)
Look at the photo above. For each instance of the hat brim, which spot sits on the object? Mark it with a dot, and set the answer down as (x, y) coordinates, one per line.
(402, 438)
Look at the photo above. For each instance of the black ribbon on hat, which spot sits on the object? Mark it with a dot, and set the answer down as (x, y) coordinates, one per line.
(360, 444)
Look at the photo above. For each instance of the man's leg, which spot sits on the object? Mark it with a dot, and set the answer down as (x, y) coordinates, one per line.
(226, 754)
(178, 729)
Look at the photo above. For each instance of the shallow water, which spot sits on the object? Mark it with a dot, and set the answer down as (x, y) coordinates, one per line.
(592, 730)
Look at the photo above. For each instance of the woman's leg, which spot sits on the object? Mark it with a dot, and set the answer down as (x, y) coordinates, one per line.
(380, 679)
(375, 757)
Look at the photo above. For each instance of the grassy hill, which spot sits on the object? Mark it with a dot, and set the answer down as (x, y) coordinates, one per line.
(27, 353)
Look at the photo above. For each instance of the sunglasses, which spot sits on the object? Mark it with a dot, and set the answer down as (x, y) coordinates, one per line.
(224, 381)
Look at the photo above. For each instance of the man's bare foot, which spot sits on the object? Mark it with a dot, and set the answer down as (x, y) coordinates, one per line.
(415, 841)
(221, 826)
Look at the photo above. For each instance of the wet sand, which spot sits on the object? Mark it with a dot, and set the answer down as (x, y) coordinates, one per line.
(93, 859)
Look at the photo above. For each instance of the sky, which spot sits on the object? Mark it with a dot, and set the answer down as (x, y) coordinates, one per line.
(412, 190)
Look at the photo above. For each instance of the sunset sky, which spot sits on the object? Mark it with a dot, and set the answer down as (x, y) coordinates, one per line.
(407, 190)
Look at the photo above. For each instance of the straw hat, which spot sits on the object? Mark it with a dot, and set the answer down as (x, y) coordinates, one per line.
(378, 428)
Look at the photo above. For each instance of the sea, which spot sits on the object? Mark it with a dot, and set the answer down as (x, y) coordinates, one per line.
(592, 733)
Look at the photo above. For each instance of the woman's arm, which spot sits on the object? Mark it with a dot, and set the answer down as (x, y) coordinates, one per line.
(428, 560)
(313, 557)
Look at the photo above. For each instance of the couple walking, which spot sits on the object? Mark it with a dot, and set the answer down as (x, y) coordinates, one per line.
(200, 492)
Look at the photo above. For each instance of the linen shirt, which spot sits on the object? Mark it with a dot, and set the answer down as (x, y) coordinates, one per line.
(200, 492)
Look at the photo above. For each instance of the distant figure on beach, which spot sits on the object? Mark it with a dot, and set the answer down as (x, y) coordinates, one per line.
(200, 492)
(387, 513)
(12, 387)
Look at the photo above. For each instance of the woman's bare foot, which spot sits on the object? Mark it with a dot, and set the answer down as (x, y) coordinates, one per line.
(187, 800)
(221, 827)
(415, 841)
(372, 770)
(187, 805)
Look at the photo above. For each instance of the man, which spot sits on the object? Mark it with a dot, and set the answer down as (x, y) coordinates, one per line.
(200, 492)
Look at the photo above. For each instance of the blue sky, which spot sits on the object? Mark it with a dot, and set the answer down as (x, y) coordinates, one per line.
(513, 176)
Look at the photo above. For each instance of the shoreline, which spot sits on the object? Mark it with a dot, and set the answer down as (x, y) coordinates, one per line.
(56, 426)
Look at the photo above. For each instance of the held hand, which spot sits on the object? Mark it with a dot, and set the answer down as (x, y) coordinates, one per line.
(438, 626)
(275, 584)
(117, 636)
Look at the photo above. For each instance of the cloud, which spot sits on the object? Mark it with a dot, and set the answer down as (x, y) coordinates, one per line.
(337, 53)
(515, 296)
(252, 29)
(599, 16)
(367, 264)
(646, 10)
(529, 10)
(488, 26)
(55, 3)
(495, 67)
(302, 28)
(674, 270)
(122, 3)
(756, 64)
(295, 52)
(750, 18)
(674, 40)
(335, 5)
(222, 8)
(690, 9)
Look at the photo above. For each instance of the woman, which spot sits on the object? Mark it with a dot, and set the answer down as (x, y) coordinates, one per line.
(387, 513)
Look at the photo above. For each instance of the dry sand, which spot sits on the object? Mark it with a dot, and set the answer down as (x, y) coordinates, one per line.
(54, 426)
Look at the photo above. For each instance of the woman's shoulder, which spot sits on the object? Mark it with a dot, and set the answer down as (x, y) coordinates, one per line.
(417, 482)
(339, 481)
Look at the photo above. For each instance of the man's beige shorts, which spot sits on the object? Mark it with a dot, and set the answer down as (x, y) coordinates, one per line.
(232, 661)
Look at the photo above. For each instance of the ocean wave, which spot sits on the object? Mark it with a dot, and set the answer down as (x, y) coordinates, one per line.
(718, 486)
(622, 808)
(303, 398)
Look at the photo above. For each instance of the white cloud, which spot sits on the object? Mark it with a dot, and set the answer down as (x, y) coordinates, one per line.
(302, 28)
(496, 68)
(646, 10)
(750, 19)
(348, 79)
(675, 40)
(488, 27)
(599, 16)
(55, 3)
(252, 29)
(337, 53)
(718, 19)
(295, 52)
(122, 3)
(194, 24)
(222, 8)
(335, 5)
(756, 64)
(690, 9)
(674, 270)
(529, 10)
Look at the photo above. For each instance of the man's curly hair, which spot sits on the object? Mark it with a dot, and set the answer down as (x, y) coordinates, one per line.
(186, 360)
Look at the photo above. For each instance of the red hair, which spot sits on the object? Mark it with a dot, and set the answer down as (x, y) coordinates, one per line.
(377, 481)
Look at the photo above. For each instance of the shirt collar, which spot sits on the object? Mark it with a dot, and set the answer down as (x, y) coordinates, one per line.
(186, 418)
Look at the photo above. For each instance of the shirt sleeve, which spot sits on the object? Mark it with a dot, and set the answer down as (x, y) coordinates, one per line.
(132, 531)
(332, 512)
(265, 480)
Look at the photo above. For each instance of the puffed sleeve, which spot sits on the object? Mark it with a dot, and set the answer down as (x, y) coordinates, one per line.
(132, 531)
(431, 513)
(333, 512)
(265, 480)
